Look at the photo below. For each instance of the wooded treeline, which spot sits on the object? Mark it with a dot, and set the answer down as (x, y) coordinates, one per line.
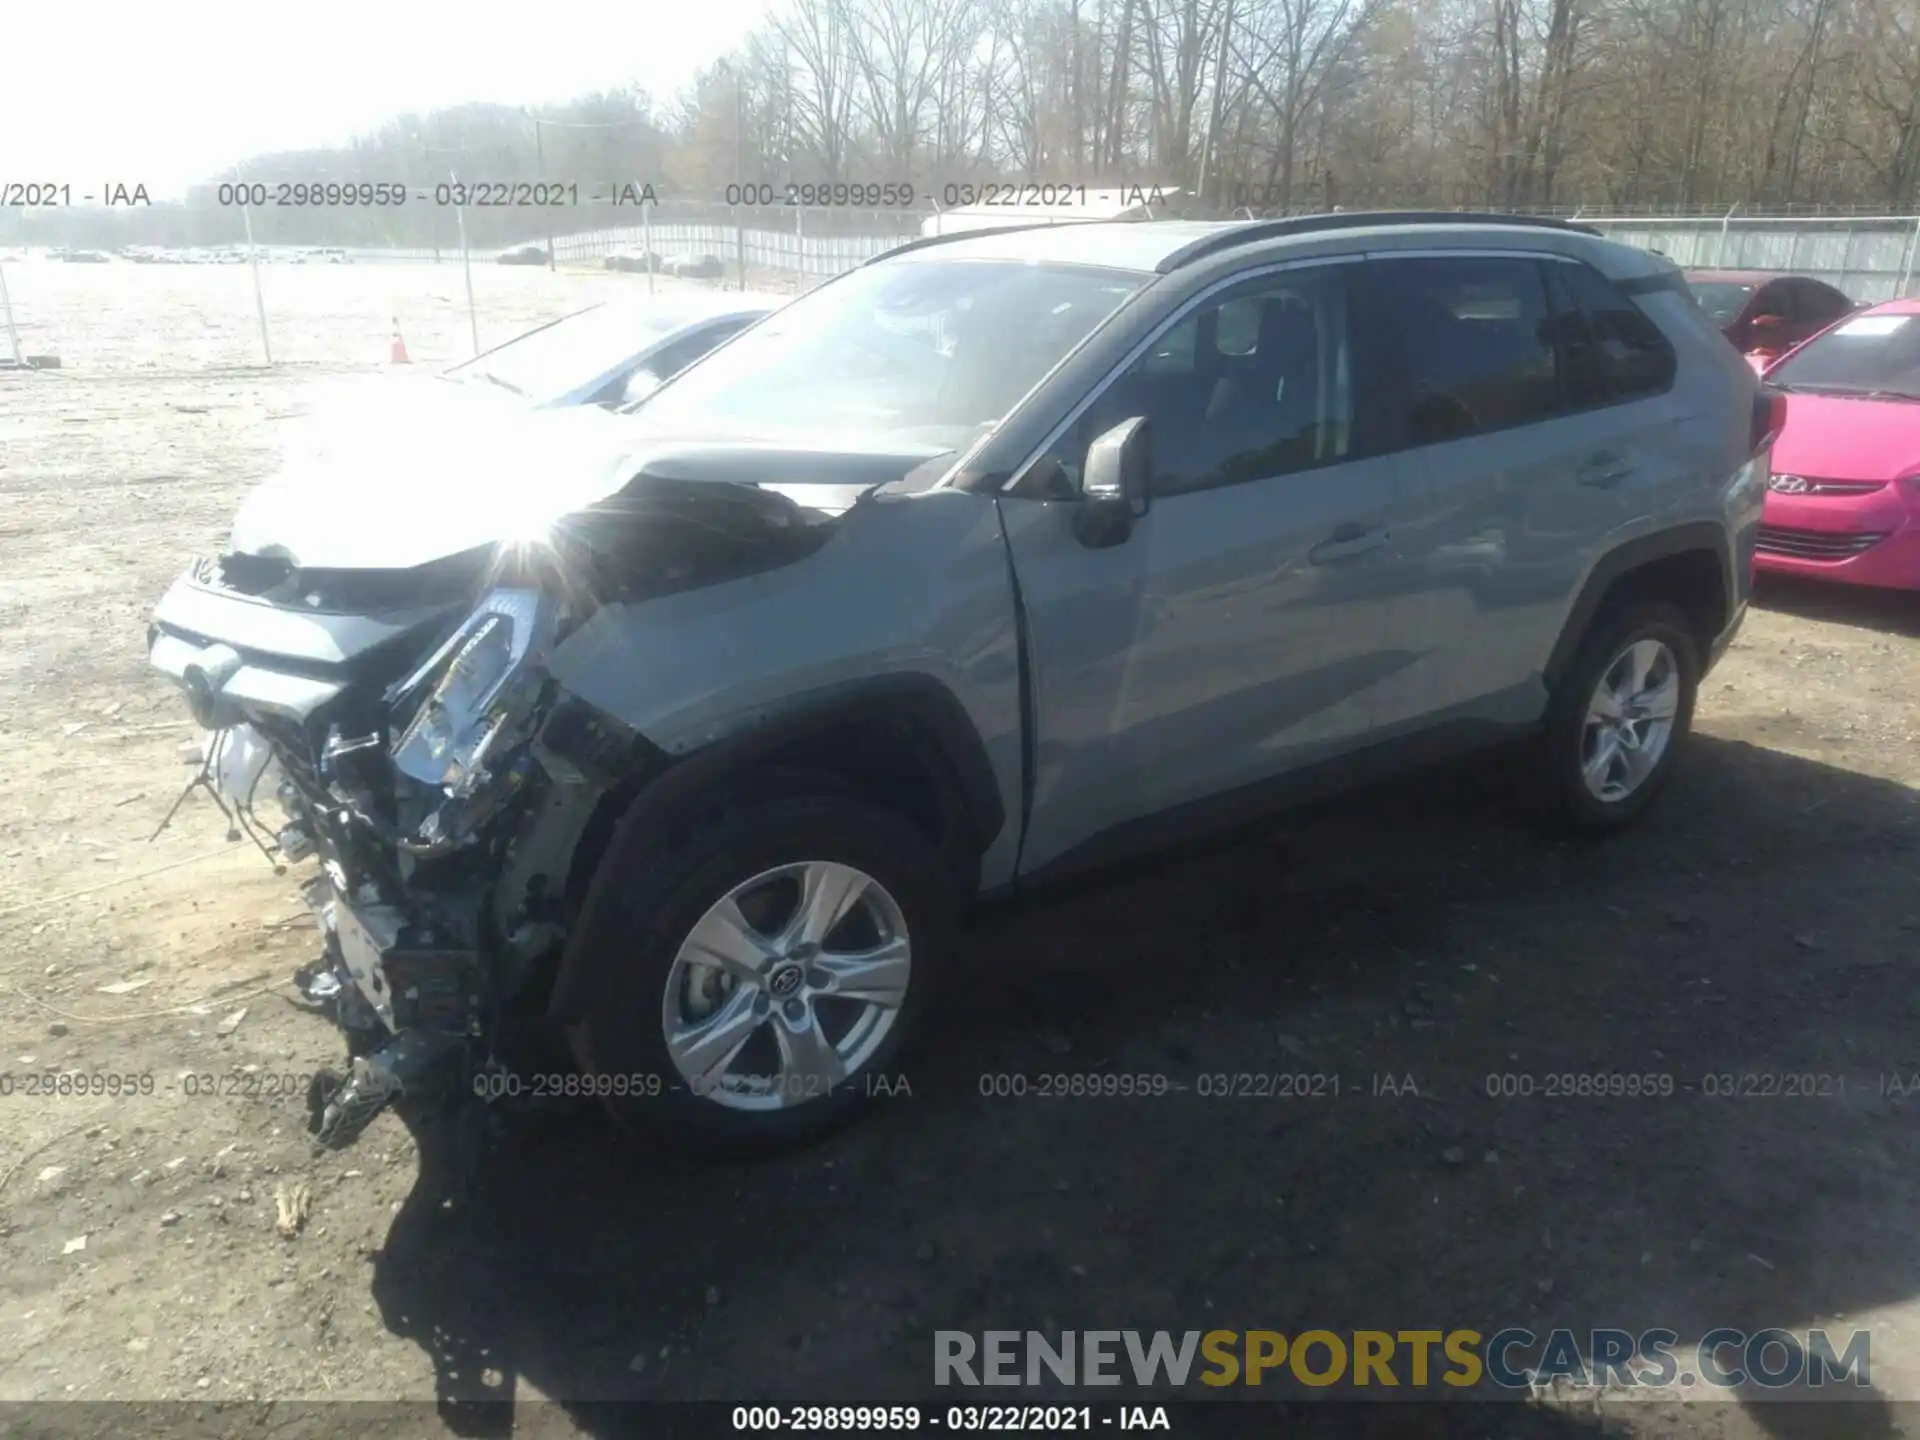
(1611, 104)
(1677, 106)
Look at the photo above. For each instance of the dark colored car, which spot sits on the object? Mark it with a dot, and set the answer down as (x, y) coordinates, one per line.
(524, 255)
(697, 267)
(635, 262)
(1765, 314)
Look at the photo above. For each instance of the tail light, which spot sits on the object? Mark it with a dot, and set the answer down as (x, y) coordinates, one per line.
(1769, 418)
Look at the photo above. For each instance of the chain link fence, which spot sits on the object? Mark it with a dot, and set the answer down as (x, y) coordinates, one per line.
(1868, 257)
(295, 305)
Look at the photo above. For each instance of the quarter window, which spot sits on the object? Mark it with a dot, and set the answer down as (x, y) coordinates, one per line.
(1631, 358)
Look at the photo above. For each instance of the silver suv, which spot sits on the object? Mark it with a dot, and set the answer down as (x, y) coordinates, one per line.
(693, 734)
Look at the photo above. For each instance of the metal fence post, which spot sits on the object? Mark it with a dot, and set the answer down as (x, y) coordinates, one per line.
(1906, 266)
(646, 241)
(6, 304)
(253, 263)
(466, 262)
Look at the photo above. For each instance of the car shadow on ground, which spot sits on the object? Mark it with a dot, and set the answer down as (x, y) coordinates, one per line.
(1895, 612)
(1758, 924)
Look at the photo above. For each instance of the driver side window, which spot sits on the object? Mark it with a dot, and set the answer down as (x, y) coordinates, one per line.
(1252, 386)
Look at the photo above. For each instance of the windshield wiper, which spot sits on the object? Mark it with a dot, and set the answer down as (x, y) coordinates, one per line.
(493, 379)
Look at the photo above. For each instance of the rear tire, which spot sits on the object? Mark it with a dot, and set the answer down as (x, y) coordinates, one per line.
(1619, 717)
(821, 1019)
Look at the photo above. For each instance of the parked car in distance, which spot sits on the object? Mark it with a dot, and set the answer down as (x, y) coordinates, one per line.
(617, 352)
(87, 257)
(633, 262)
(697, 267)
(1843, 499)
(1765, 314)
(996, 558)
(532, 254)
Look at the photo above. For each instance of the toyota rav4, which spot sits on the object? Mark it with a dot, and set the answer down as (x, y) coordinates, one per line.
(693, 735)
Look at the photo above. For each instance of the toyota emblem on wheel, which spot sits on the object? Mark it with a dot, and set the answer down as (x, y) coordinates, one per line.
(1790, 484)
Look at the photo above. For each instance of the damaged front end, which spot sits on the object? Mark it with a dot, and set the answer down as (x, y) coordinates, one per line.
(426, 757)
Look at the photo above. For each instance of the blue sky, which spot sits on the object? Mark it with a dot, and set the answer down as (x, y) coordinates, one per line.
(163, 95)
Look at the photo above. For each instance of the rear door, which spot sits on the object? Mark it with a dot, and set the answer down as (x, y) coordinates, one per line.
(1242, 628)
(1523, 391)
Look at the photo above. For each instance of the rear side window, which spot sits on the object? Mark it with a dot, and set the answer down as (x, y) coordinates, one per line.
(1626, 357)
(1476, 345)
(1819, 304)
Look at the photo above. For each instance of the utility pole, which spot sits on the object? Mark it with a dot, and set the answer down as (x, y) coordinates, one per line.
(540, 155)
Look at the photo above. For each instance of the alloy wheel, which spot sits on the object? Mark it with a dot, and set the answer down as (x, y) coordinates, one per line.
(787, 986)
(1629, 720)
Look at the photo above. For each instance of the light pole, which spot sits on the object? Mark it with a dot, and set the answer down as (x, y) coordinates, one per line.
(540, 156)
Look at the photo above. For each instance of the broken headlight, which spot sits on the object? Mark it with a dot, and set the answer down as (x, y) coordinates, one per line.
(484, 684)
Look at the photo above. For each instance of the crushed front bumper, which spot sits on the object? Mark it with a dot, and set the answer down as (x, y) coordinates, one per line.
(413, 1016)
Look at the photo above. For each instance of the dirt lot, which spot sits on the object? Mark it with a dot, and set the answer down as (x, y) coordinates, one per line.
(1761, 922)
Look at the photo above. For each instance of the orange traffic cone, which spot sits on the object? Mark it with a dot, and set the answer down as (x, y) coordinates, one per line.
(398, 354)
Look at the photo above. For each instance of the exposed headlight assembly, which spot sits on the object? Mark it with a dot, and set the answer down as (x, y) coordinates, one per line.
(485, 683)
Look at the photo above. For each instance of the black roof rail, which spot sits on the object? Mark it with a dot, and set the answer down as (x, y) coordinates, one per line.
(925, 240)
(1253, 230)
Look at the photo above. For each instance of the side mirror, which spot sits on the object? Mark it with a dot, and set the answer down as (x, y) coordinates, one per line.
(1113, 485)
(642, 383)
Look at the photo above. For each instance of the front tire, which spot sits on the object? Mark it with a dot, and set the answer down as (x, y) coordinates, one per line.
(769, 965)
(1620, 716)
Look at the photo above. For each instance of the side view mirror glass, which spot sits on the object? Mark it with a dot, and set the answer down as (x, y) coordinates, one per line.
(1113, 484)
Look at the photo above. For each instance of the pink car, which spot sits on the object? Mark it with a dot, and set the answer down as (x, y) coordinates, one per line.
(1843, 502)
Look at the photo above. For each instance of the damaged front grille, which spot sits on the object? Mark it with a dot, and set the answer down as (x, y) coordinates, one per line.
(293, 747)
(279, 582)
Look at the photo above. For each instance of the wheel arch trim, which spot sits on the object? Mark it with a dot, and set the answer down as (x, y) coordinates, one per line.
(929, 707)
(1700, 536)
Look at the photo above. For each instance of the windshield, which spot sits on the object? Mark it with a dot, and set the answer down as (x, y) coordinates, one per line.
(1869, 354)
(546, 364)
(1723, 300)
(914, 353)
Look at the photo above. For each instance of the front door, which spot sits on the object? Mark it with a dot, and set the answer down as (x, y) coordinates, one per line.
(1241, 629)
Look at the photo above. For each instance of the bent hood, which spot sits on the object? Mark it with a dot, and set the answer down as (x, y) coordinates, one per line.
(1833, 437)
(393, 476)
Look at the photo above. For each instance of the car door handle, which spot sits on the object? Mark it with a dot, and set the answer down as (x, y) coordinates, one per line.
(1605, 470)
(1349, 540)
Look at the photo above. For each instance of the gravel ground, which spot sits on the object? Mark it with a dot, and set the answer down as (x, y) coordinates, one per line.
(1760, 922)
